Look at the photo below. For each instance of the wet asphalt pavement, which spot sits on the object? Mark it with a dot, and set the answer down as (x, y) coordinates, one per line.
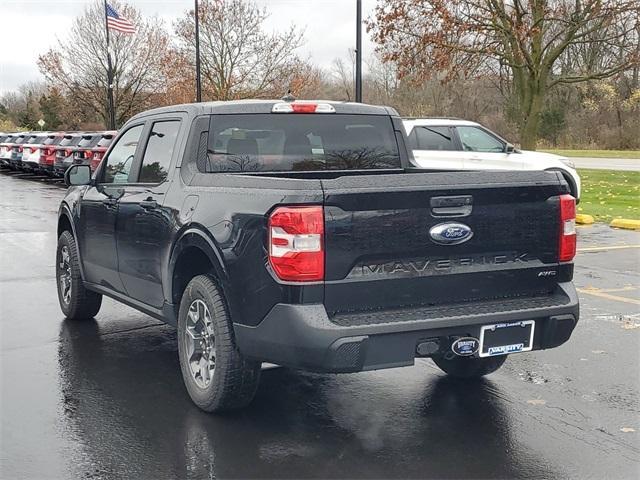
(104, 399)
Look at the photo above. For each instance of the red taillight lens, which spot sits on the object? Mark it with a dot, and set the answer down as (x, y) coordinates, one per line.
(567, 244)
(95, 161)
(303, 107)
(296, 243)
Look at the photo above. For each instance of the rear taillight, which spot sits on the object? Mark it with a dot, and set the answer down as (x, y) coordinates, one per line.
(296, 243)
(95, 161)
(567, 243)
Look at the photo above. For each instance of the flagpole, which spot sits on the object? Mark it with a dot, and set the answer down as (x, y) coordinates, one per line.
(111, 113)
(197, 33)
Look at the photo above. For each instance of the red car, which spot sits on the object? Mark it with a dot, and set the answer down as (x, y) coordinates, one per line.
(64, 152)
(42, 153)
(98, 151)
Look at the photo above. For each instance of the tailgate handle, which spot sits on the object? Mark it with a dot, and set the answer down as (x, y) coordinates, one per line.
(458, 206)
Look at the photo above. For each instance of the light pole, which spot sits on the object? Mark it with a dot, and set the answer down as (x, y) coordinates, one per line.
(359, 51)
(198, 79)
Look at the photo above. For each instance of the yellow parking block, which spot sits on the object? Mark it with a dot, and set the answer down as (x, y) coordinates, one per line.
(583, 219)
(626, 224)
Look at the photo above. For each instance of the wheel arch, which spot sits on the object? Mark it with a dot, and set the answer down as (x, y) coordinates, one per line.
(194, 253)
(65, 223)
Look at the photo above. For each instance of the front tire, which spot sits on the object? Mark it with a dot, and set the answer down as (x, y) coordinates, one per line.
(76, 302)
(469, 367)
(217, 376)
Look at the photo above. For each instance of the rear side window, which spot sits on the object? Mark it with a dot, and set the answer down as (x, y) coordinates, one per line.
(297, 142)
(432, 138)
(157, 155)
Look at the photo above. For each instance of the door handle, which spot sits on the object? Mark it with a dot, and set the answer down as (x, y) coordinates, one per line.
(149, 204)
(453, 206)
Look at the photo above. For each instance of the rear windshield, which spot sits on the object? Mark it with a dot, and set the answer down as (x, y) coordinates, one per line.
(20, 139)
(297, 142)
(88, 141)
(69, 141)
(52, 140)
(33, 140)
(105, 141)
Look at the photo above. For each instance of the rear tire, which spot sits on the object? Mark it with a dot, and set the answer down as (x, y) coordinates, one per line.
(217, 376)
(469, 367)
(76, 302)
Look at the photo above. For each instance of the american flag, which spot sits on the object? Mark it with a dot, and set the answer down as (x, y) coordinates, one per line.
(118, 23)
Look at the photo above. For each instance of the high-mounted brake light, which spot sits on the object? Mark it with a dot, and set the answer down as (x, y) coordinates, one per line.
(302, 107)
(567, 242)
(296, 243)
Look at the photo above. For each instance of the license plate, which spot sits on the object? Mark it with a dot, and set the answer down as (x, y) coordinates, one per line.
(505, 338)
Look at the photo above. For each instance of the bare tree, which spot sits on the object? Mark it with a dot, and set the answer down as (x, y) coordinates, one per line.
(239, 59)
(78, 66)
(343, 74)
(475, 37)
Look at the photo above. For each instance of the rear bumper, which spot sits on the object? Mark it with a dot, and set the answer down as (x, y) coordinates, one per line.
(303, 336)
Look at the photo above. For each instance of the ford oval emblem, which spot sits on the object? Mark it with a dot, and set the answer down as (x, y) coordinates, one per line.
(450, 233)
(465, 346)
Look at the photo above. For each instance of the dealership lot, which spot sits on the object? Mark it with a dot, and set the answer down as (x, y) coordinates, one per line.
(105, 399)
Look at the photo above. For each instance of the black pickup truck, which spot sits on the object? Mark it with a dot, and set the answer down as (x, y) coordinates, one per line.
(301, 234)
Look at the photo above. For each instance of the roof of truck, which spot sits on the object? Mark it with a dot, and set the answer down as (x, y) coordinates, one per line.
(263, 106)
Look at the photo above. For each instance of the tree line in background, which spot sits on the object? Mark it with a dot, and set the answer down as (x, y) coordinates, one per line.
(541, 72)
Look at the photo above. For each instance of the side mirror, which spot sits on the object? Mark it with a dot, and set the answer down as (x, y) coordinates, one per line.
(77, 175)
(509, 148)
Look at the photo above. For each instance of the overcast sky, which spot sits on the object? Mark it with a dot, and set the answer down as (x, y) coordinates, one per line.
(30, 27)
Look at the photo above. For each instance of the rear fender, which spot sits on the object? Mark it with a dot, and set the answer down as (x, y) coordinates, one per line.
(196, 236)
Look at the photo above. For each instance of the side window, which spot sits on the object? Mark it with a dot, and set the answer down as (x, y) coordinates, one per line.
(121, 156)
(475, 139)
(159, 150)
(434, 138)
(413, 139)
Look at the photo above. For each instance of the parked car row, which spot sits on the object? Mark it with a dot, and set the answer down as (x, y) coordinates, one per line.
(51, 153)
